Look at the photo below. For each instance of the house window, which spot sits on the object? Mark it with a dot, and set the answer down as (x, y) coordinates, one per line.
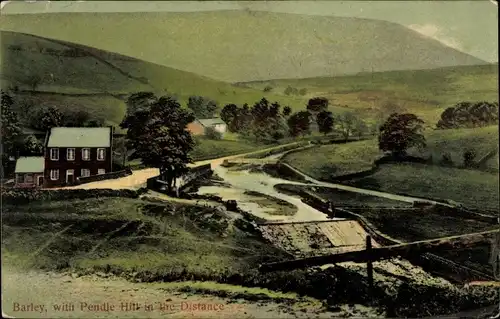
(101, 171)
(54, 154)
(85, 172)
(54, 174)
(20, 178)
(70, 154)
(28, 178)
(101, 154)
(86, 154)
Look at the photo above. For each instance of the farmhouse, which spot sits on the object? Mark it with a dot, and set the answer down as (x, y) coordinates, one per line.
(73, 152)
(200, 126)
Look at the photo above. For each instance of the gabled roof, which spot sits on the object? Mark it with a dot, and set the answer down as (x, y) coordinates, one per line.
(211, 122)
(80, 137)
(30, 164)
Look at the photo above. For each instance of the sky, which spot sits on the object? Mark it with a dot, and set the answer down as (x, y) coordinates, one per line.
(469, 26)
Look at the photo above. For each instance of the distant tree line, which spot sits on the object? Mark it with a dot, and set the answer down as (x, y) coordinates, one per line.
(268, 122)
(46, 118)
(294, 91)
(469, 115)
(264, 121)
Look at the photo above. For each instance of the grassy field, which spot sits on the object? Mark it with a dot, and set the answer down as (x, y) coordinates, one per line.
(128, 235)
(328, 161)
(423, 92)
(206, 148)
(474, 189)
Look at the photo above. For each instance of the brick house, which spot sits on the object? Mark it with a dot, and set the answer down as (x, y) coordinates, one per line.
(73, 152)
(29, 172)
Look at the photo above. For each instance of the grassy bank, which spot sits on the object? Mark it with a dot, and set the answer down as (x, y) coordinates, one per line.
(328, 161)
(127, 235)
(343, 198)
(474, 189)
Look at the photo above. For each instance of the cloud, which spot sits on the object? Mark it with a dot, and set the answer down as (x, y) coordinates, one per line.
(436, 33)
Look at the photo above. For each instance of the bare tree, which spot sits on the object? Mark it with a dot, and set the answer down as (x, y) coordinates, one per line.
(34, 80)
(347, 123)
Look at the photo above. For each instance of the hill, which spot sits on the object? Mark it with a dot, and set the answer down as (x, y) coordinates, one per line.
(423, 92)
(243, 46)
(51, 72)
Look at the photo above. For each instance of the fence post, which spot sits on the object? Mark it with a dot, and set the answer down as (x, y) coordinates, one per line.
(369, 265)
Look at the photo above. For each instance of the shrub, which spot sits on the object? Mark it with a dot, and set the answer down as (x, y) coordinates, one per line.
(446, 160)
(469, 156)
(213, 134)
(268, 88)
(24, 196)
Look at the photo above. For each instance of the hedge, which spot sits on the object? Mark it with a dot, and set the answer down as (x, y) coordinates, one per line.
(23, 196)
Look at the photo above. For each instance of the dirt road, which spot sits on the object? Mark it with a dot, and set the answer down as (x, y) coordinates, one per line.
(34, 294)
(139, 177)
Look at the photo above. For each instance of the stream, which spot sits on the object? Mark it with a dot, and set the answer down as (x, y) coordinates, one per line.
(242, 181)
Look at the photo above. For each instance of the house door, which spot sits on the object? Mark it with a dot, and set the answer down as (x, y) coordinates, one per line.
(70, 176)
(40, 181)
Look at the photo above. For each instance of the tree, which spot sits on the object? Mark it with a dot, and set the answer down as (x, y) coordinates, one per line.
(303, 91)
(157, 135)
(361, 128)
(47, 118)
(325, 122)
(317, 104)
(120, 150)
(347, 123)
(229, 115)
(33, 80)
(268, 88)
(11, 131)
(202, 107)
(469, 156)
(299, 123)
(468, 115)
(289, 90)
(76, 118)
(31, 147)
(94, 123)
(400, 132)
(287, 111)
(244, 119)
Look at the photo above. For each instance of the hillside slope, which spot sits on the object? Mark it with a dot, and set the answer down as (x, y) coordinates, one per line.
(423, 92)
(251, 45)
(51, 72)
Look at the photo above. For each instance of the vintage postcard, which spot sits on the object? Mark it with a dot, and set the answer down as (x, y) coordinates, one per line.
(254, 159)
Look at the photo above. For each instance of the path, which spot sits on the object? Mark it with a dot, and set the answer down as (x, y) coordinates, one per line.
(402, 198)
